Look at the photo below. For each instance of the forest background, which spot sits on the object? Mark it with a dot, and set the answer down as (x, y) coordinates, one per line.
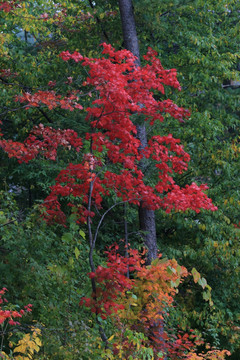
(47, 264)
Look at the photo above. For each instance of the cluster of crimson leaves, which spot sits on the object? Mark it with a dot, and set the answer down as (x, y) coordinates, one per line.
(43, 141)
(51, 100)
(11, 315)
(141, 302)
(8, 6)
(6, 73)
(113, 298)
(124, 90)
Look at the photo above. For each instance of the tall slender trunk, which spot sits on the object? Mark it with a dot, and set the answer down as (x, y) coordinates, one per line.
(146, 216)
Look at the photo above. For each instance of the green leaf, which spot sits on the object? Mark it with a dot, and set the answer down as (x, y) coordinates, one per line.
(206, 295)
(77, 253)
(202, 282)
(196, 275)
(71, 261)
(82, 234)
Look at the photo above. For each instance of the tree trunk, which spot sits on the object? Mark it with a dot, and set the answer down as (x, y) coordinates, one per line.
(146, 216)
(128, 28)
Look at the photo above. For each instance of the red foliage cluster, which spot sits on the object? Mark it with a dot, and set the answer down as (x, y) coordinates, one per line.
(51, 100)
(10, 315)
(141, 303)
(7, 72)
(112, 282)
(124, 92)
(43, 140)
(8, 6)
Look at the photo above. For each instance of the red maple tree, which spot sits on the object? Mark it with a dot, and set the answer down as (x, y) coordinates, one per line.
(111, 164)
(110, 167)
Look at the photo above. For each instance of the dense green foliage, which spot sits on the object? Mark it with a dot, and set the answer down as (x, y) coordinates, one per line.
(47, 266)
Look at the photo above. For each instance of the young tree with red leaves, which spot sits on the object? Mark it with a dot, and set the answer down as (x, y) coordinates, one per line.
(113, 153)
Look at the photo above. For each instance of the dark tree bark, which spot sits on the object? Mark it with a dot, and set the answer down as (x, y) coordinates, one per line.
(146, 216)
(128, 28)
(148, 232)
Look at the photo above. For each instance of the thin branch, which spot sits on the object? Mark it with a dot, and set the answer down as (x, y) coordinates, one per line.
(10, 110)
(91, 262)
(103, 216)
(45, 115)
(9, 222)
